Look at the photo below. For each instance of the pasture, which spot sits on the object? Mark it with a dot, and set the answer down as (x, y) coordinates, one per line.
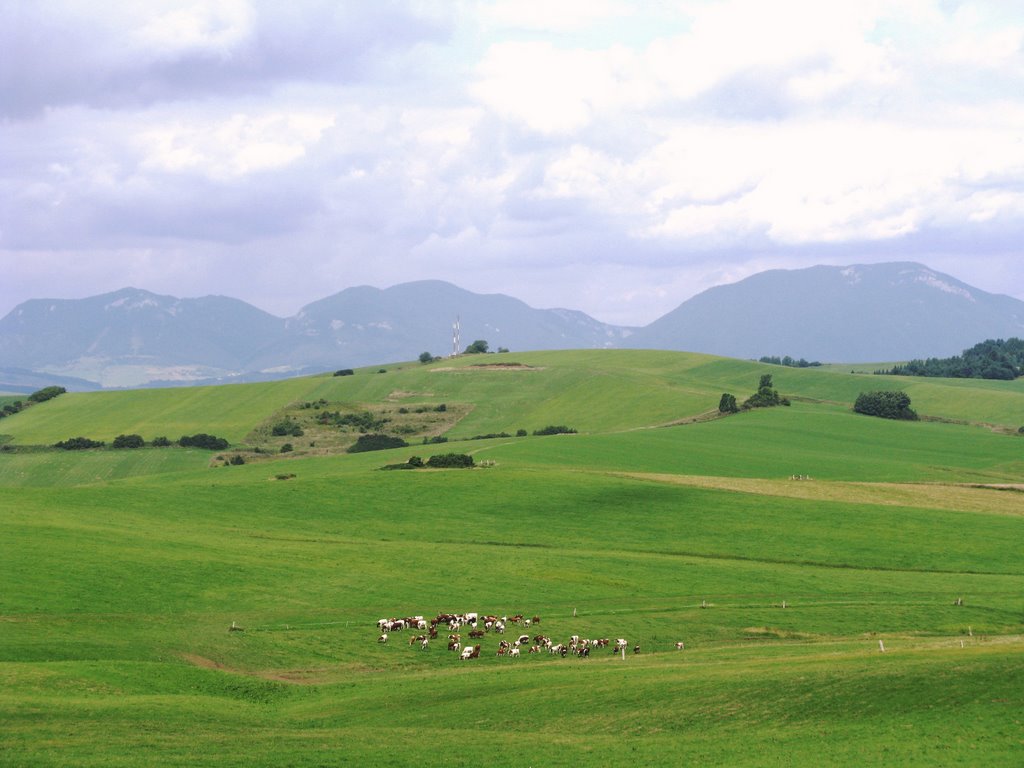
(123, 571)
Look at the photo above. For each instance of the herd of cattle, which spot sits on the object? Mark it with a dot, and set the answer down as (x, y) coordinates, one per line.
(477, 627)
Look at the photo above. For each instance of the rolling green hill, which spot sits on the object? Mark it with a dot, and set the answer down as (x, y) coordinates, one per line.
(123, 571)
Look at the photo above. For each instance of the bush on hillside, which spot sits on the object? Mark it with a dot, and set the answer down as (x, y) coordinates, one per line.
(555, 430)
(376, 443)
(450, 461)
(728, 404)
(128, 441)
(46, 393)
(885, 404)
(78, 444)
(345, 372)
(765, 397)
(521, 433)
(160, 442)
(286, 427)
(203, 440)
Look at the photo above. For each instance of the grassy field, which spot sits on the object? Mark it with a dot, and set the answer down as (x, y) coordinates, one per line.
(122, 571)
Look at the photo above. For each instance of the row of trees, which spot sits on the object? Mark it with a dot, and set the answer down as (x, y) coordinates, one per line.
(39, 396)
(788, 361)
(991, 359)
(201, 440)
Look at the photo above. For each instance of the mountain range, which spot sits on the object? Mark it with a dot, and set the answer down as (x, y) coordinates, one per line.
(131, 337)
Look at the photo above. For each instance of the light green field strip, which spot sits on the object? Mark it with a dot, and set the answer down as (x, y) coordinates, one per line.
(998, 499)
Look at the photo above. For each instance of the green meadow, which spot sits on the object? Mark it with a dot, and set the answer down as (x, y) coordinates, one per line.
(869, 613)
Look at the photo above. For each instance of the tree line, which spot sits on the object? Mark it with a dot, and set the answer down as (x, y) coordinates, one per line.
(990, 359)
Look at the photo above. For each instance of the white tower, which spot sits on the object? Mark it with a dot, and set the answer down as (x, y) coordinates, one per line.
(456, 330)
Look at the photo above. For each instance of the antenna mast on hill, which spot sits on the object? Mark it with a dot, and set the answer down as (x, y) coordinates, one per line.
(455, 337)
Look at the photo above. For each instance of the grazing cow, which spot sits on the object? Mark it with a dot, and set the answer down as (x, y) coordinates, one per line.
(453, 645)
(514, 653)
(574, 640)
(499, 627)
(620, 644)
(475, 654)
(523, 640)
(584, 652)
(636, 649)
(602, 642)
(680, 646)
(553, 649)
(423, 643)
(534, 649)
(467, 653)
(476, 633)
(535, 620)
(383, 638)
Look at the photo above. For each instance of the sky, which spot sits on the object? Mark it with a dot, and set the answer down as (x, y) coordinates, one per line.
(606, 156)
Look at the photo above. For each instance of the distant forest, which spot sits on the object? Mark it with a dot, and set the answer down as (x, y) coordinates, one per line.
(789, 361)
(991, 359)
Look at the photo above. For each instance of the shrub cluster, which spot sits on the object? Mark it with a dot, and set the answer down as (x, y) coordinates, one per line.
(128, 441)
(435, 439)
(203, 440)
(886, 404)
(344, 372)
(78, 444)
(286, 427)
(364, 422)
(766, 396)
(376, 443)
(555, 430)
(46, 393)
(450, 461)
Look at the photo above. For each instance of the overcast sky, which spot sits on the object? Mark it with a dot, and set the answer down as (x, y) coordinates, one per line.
(613, 157)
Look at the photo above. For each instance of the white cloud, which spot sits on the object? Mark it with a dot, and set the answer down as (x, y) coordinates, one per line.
(230, 147)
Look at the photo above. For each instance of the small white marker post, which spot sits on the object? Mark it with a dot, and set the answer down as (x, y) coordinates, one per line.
(881, 646)
(623, 653)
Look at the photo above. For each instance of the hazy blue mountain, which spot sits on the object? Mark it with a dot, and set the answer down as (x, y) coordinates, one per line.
(365, 326)
(132, 337)
(861, 313)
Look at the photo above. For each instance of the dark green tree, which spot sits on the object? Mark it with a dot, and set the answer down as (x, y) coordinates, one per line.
(426, 357)
(728, 403)
(128, 441)
(478, 347)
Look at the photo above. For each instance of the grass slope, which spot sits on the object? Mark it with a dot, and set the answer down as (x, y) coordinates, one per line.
(123, 571)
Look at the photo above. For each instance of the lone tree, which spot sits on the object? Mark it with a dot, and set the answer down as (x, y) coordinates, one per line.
(728, 404)
(478, 347)
(426, 357)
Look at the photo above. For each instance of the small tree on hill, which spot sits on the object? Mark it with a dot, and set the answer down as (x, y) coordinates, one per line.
(478, 347)
(426, 357)
(766, 396)
(728, 404)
